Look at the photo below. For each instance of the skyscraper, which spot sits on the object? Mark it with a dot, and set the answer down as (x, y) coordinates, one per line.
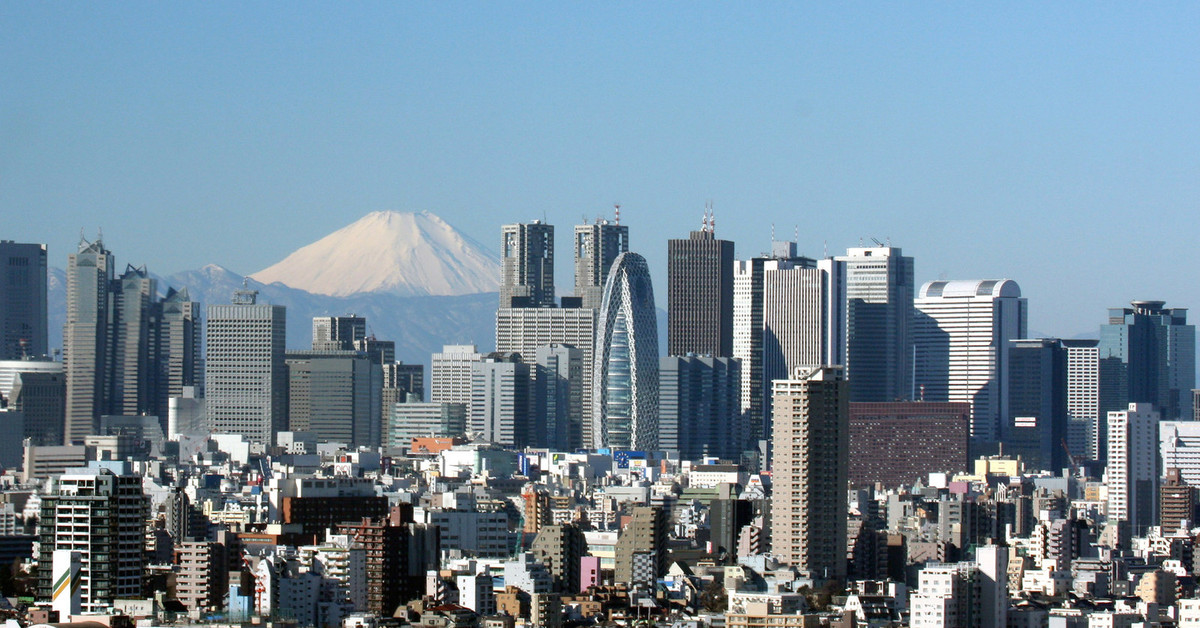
(527, 265)
(133, 318)
(803, 321)
(1035, 425)
(811, 456)
(748, 277)
(1132, 472)
(178, 358)
(450, 374)
(557, 395)
(597, 245)
(1085, 435)
(526, 330)
(499, 410)
(625, 388)
(700, 294)
(960, 335)
(86, 338)
(23, 312)
(698, 407)
(245, 372)
(879, 310)
(1148, 355)
(338, 332)
(331, 394)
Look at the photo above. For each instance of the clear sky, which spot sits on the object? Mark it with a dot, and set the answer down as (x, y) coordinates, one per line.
(1057, 144)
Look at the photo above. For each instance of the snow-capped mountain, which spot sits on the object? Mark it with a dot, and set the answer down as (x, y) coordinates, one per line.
(399, 253)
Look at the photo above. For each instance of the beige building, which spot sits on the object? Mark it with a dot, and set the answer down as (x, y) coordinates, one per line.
(811, 470)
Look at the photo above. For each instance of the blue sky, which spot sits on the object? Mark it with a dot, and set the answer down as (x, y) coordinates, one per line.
(1057, 144)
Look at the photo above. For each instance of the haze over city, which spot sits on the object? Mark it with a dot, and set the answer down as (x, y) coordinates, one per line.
(1054, 145)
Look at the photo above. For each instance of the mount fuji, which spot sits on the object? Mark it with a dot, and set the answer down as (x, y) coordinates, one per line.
(399, 253)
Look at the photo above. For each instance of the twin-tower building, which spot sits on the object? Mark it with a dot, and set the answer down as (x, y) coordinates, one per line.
(608, 328)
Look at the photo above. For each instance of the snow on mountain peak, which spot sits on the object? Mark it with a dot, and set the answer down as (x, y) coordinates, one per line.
(402, 253)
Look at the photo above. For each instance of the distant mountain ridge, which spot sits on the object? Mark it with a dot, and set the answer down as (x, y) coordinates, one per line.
(419, 325)
(400, 253)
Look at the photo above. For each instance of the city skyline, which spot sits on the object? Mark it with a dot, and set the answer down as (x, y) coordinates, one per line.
(985, 141)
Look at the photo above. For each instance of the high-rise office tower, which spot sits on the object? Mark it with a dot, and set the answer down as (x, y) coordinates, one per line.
(133, 320)
(1084, 434)
(960, 335)
(1148, 355)
(179, 359)
(450, 374)
(499, 411)
(810, 471)
(597, 245)
(700, 294)
(527, 265)
(102, 516)
(642, 547)
(245, 373)
(1132, 472)
(1035, 425)
(557, 395)
(87, 338)
(380, 352)
(39, 396)
(401, 380)
(698, 407)
(338, 332)
(803, 322)
(525, 330)
(331, 394)
(879, 311)
(625, 388)
(748, 278)
(23, 312)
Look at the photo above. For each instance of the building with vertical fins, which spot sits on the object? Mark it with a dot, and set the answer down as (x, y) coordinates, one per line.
(748, 307)
(245, 373)
(700, 294)
(625, 389)
(597, 245)
(86, 338)
(879, 311)
(810, 471)
(527, 265)
(1147, 354)
(1132, 474)
(803, 323)
(23, 312)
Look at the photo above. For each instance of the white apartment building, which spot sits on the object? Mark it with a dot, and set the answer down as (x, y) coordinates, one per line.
(1132, 474)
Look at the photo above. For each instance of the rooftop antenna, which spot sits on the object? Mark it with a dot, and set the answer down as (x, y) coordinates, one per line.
(876, 241)
(617, 209)
(826, 249)
(772, 232)
(796, 233)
